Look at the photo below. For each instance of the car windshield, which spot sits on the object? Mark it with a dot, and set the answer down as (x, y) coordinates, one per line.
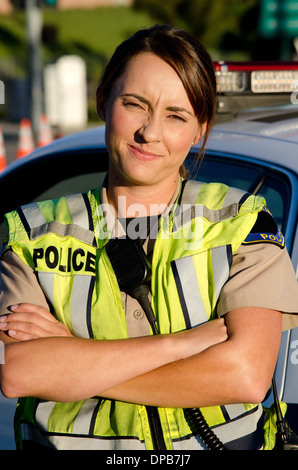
(256, 179)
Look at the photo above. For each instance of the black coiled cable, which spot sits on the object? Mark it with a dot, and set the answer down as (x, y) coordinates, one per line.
(198, 423)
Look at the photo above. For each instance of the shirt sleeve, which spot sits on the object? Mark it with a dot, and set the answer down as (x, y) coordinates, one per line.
(18, 284)
(262, 275)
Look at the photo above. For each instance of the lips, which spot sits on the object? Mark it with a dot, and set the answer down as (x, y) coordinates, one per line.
(143, 154)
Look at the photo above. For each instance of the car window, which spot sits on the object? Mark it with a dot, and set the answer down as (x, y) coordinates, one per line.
(50, 178)
(223, 171)
(277, 195)
(71, 185)
(257, 179)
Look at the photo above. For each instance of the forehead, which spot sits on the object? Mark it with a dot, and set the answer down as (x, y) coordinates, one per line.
(148, 71)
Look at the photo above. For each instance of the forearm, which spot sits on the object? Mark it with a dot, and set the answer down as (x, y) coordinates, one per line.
(207, 379)
(70, 369)
(238, 370)
(50, 363)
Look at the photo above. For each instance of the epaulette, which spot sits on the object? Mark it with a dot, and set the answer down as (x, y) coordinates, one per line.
(265, 230)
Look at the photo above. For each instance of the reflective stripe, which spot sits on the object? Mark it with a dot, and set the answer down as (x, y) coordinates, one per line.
(241, 428)
(46, 280)
(85, 236)
(78, 442)
(243, 431)
(79, 210)
(81, 229)
(189, 291)
(233, 411)
(221, 263)
(33, 215)
(188, 210)
(187, 284)
(192, 189)
(82, 290)
(70, 442)
(246, 427)
(42, 414)
(217, 215)
(234, 195)
(84, 420)
(190, 192)
(189, 443)
(188, 213)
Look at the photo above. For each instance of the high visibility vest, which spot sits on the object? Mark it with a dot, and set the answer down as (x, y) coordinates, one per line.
(64, 241)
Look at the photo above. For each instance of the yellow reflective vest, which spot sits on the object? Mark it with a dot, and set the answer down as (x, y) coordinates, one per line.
(64, 241)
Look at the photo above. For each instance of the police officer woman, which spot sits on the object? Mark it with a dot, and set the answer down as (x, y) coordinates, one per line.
(80, 348)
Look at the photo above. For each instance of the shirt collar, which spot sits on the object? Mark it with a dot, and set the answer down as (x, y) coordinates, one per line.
(114, 227)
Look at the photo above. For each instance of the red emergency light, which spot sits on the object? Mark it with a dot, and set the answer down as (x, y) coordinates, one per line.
(256, 77)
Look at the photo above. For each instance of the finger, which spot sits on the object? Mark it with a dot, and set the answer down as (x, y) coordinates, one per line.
(24, 330)
(17, 331)
(23, 320)
(32, 326)
(32, 308)
(20, 335)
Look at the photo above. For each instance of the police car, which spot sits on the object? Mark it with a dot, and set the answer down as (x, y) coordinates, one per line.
(253, 146)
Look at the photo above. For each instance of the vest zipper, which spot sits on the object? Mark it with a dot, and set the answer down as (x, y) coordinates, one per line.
(155, 428)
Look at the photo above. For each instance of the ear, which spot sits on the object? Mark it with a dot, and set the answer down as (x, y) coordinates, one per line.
(200, 133)
(101, 114)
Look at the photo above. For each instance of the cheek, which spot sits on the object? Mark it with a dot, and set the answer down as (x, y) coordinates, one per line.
(121, 125)
(180, 143)
(115, 122)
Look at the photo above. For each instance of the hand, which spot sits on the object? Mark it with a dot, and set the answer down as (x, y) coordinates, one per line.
(28, 321)
(204, 336)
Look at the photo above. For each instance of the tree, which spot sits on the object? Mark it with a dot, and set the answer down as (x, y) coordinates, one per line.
(219, 24)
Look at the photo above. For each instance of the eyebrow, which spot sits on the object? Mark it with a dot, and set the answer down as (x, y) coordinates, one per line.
(175, 109)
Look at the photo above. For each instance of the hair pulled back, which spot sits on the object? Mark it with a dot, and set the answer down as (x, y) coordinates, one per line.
(183, 52)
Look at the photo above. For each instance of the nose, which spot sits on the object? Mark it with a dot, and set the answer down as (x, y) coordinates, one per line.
(151, 128)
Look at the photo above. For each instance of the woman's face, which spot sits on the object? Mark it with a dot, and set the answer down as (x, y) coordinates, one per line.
(150, 124)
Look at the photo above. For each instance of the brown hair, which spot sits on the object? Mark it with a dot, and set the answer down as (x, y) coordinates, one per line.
(184, 53)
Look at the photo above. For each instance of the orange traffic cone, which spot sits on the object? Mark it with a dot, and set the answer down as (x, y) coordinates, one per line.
(45, 132)
(3, 163)
(25, 143)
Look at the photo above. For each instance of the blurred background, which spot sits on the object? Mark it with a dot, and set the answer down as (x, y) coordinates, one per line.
(52, 53)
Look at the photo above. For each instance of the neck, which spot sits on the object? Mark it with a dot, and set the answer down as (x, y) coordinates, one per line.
(141, 201)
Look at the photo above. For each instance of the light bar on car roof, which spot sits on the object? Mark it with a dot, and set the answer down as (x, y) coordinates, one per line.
(256, 77)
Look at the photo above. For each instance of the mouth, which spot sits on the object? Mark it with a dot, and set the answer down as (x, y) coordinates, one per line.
(143, 154)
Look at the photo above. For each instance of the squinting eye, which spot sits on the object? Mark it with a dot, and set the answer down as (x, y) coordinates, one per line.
(177, 118)
(131, 104)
